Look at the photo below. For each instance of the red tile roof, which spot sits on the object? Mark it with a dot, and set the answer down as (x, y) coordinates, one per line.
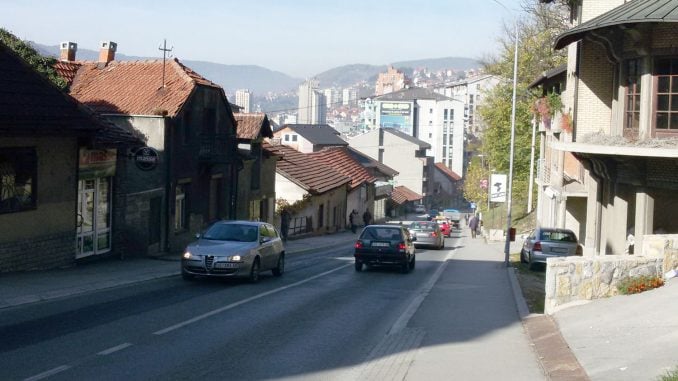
(67, 70)
(447, 172)
(303, 170)
(343, 162)
(401, 194)
(135, 87)
(250, 126)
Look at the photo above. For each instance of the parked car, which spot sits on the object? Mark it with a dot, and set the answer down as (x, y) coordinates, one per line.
(230, 249)
(427, 233)
(385, 245)
(420, 209)
(543, 243)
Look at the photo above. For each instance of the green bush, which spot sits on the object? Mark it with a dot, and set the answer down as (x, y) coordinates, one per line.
(669, 376)
(634, 285)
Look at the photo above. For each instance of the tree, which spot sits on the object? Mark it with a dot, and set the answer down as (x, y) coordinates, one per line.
(537, 30)
(41, 64)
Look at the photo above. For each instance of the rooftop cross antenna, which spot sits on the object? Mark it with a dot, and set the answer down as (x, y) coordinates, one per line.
(165, 55)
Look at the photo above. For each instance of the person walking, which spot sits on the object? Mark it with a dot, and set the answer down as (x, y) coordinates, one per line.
(473, 225)
(284, 224)
(352, 219)
(367, 216)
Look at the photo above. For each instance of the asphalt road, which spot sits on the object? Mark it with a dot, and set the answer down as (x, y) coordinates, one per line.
(320, 320)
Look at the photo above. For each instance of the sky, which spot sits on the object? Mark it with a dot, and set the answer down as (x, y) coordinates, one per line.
(300, 38)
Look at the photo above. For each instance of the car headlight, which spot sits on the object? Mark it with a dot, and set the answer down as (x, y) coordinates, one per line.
(235, 258)
(187, 255)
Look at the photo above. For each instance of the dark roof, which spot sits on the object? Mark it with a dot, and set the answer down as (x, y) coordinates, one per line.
(31, 105)
(303, 170)
(422, 144)
(411, 94)
(549, 74)
(447, 172)
(318, 134)
(632, 12)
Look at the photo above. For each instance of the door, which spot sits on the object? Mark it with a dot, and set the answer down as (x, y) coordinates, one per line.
(93, 233)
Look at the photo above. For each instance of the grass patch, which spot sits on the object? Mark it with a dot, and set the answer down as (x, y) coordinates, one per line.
(532, 283)
(669, 376)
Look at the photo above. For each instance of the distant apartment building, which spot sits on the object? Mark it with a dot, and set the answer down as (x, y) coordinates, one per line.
(332, 97)
(312, 104)
(428, 116)
(471, 92)
(391, 81)
(242, 99)
(349, 96)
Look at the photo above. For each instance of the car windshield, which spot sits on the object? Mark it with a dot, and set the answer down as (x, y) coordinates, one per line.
(387, 234)
(422, 226)
(562, 236)
(231, 232)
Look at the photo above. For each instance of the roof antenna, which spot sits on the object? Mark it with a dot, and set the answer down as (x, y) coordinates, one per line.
(165, 55)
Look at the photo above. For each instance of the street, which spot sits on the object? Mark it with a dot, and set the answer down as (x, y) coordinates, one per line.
(450, 317)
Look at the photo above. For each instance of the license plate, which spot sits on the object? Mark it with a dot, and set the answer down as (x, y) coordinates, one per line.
(223, 265)
(380, 244)
(559, 250)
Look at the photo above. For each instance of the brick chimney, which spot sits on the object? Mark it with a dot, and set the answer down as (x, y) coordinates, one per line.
(67, 51)
(107, 51)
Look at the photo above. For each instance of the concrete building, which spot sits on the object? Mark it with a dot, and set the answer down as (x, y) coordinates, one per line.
(392, 80)
(349, 96)
(242, 99)
(619, 126)
(307, 138)
(312, 104)
(471, 92)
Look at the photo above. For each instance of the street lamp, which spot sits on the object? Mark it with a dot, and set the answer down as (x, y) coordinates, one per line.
(507, 246)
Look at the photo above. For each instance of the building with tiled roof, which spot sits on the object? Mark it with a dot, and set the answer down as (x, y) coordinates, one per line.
(309, 137)
(314, 192)
(446, 188)
(402, 194)
(190, 137)
(256, 180)
(45, 138)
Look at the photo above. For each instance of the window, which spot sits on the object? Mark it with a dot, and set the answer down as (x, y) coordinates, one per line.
(632, 111)
(666, 114)
(18, 179)
(287, 138)
(180, 208)
(294, 138)
(445, 114)
(430, 111)
(430, 135)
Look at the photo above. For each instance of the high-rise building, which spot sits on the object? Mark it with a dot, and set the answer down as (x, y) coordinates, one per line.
(392, 80)
(312, 104)
(349, 96)
(242, 99)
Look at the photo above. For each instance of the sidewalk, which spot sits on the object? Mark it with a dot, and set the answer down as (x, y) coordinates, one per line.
(34, 286)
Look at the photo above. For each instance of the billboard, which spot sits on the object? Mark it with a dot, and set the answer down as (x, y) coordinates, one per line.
(397, 115)
(498, 187)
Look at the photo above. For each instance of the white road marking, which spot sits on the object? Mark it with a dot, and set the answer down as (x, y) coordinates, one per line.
(402, 321)
(241, 302)
(114, 349)
(48, 373)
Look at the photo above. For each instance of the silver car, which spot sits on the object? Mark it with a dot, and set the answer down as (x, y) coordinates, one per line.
(427, 233)
(544, 243)
(230, 249)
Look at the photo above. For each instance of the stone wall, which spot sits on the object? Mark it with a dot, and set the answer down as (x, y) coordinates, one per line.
(575, 279)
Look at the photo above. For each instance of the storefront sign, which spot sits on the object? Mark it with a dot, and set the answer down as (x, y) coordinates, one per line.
(96, 163)
(146, 158)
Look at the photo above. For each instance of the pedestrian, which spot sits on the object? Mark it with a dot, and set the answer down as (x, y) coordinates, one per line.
(352, 219)
(284, 224)
(473, 225)
(367, 216)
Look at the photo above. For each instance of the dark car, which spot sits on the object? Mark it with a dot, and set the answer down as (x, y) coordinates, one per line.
(544, 243)
(427, 233)
(385, 245)
(231, 249)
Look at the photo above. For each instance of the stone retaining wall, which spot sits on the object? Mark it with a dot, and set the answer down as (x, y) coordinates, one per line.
(574, 279)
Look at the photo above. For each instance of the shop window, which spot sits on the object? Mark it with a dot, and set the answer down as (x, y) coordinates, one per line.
(18, 179)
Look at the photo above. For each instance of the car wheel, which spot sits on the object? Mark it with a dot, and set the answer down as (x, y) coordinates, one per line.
(522, 257)
(358, 266)
(254, 272)
(412, 262)
(530, 264)
(280, 268)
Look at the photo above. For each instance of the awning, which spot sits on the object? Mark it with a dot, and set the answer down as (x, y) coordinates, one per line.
(632, 12)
